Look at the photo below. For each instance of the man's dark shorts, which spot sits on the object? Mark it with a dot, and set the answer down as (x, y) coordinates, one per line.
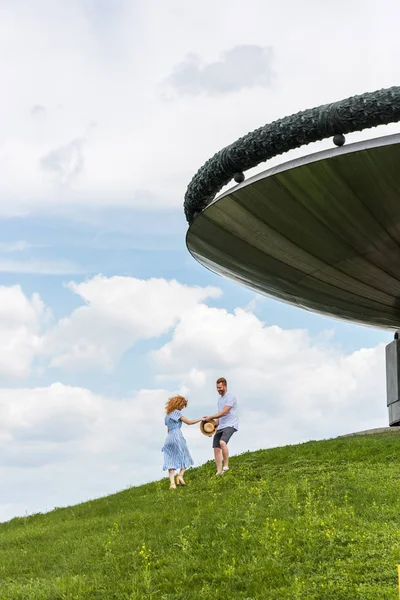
(224, 434)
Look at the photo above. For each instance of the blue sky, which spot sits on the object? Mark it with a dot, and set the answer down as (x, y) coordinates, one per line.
(103, 312)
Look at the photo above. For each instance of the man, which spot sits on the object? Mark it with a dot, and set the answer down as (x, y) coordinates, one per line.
(228, 423)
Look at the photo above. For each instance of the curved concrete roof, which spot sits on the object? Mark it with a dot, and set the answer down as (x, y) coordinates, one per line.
(321, 232)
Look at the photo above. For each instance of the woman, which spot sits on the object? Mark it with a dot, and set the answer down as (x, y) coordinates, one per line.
(176, 453)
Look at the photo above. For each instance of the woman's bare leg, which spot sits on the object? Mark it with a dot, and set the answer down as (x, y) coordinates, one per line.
(171, 473)
(179, 479)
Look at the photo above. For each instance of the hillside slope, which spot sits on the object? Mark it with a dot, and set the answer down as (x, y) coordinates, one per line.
(319, 520)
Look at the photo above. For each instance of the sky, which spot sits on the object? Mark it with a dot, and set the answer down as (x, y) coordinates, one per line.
(108, 109)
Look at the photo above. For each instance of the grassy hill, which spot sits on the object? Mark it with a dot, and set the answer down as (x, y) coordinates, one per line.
(319, 520)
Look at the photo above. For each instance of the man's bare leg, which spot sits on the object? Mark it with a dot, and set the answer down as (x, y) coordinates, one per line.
(225, 453)
(218, 459)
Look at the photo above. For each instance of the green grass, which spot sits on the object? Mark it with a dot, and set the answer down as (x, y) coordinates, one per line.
(317, 520)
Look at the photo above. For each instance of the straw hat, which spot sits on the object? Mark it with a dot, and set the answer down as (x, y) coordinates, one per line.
(208, 428)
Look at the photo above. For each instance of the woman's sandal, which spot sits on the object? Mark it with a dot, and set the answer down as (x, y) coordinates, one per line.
(180, 481)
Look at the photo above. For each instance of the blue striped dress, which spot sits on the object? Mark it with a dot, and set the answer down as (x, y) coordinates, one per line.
(176, 453)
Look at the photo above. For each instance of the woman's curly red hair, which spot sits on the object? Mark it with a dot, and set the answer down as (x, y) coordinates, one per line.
(175, 403)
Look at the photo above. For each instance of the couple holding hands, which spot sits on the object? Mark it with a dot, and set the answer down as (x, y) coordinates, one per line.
(221, 426)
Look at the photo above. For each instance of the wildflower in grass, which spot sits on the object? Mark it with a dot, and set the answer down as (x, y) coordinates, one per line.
(146, 556)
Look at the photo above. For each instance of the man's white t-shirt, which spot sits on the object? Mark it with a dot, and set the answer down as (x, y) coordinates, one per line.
(232, 418)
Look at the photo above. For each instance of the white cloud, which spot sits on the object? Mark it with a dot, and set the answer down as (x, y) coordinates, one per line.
(240, 67)
(38, 111)
(17, 246)
(40, 267)
(21, 321)
(145, 151)
(45, 425)
(284, 373)
(65, 163)
(118, 311)
(60, 445)
(291, 386)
